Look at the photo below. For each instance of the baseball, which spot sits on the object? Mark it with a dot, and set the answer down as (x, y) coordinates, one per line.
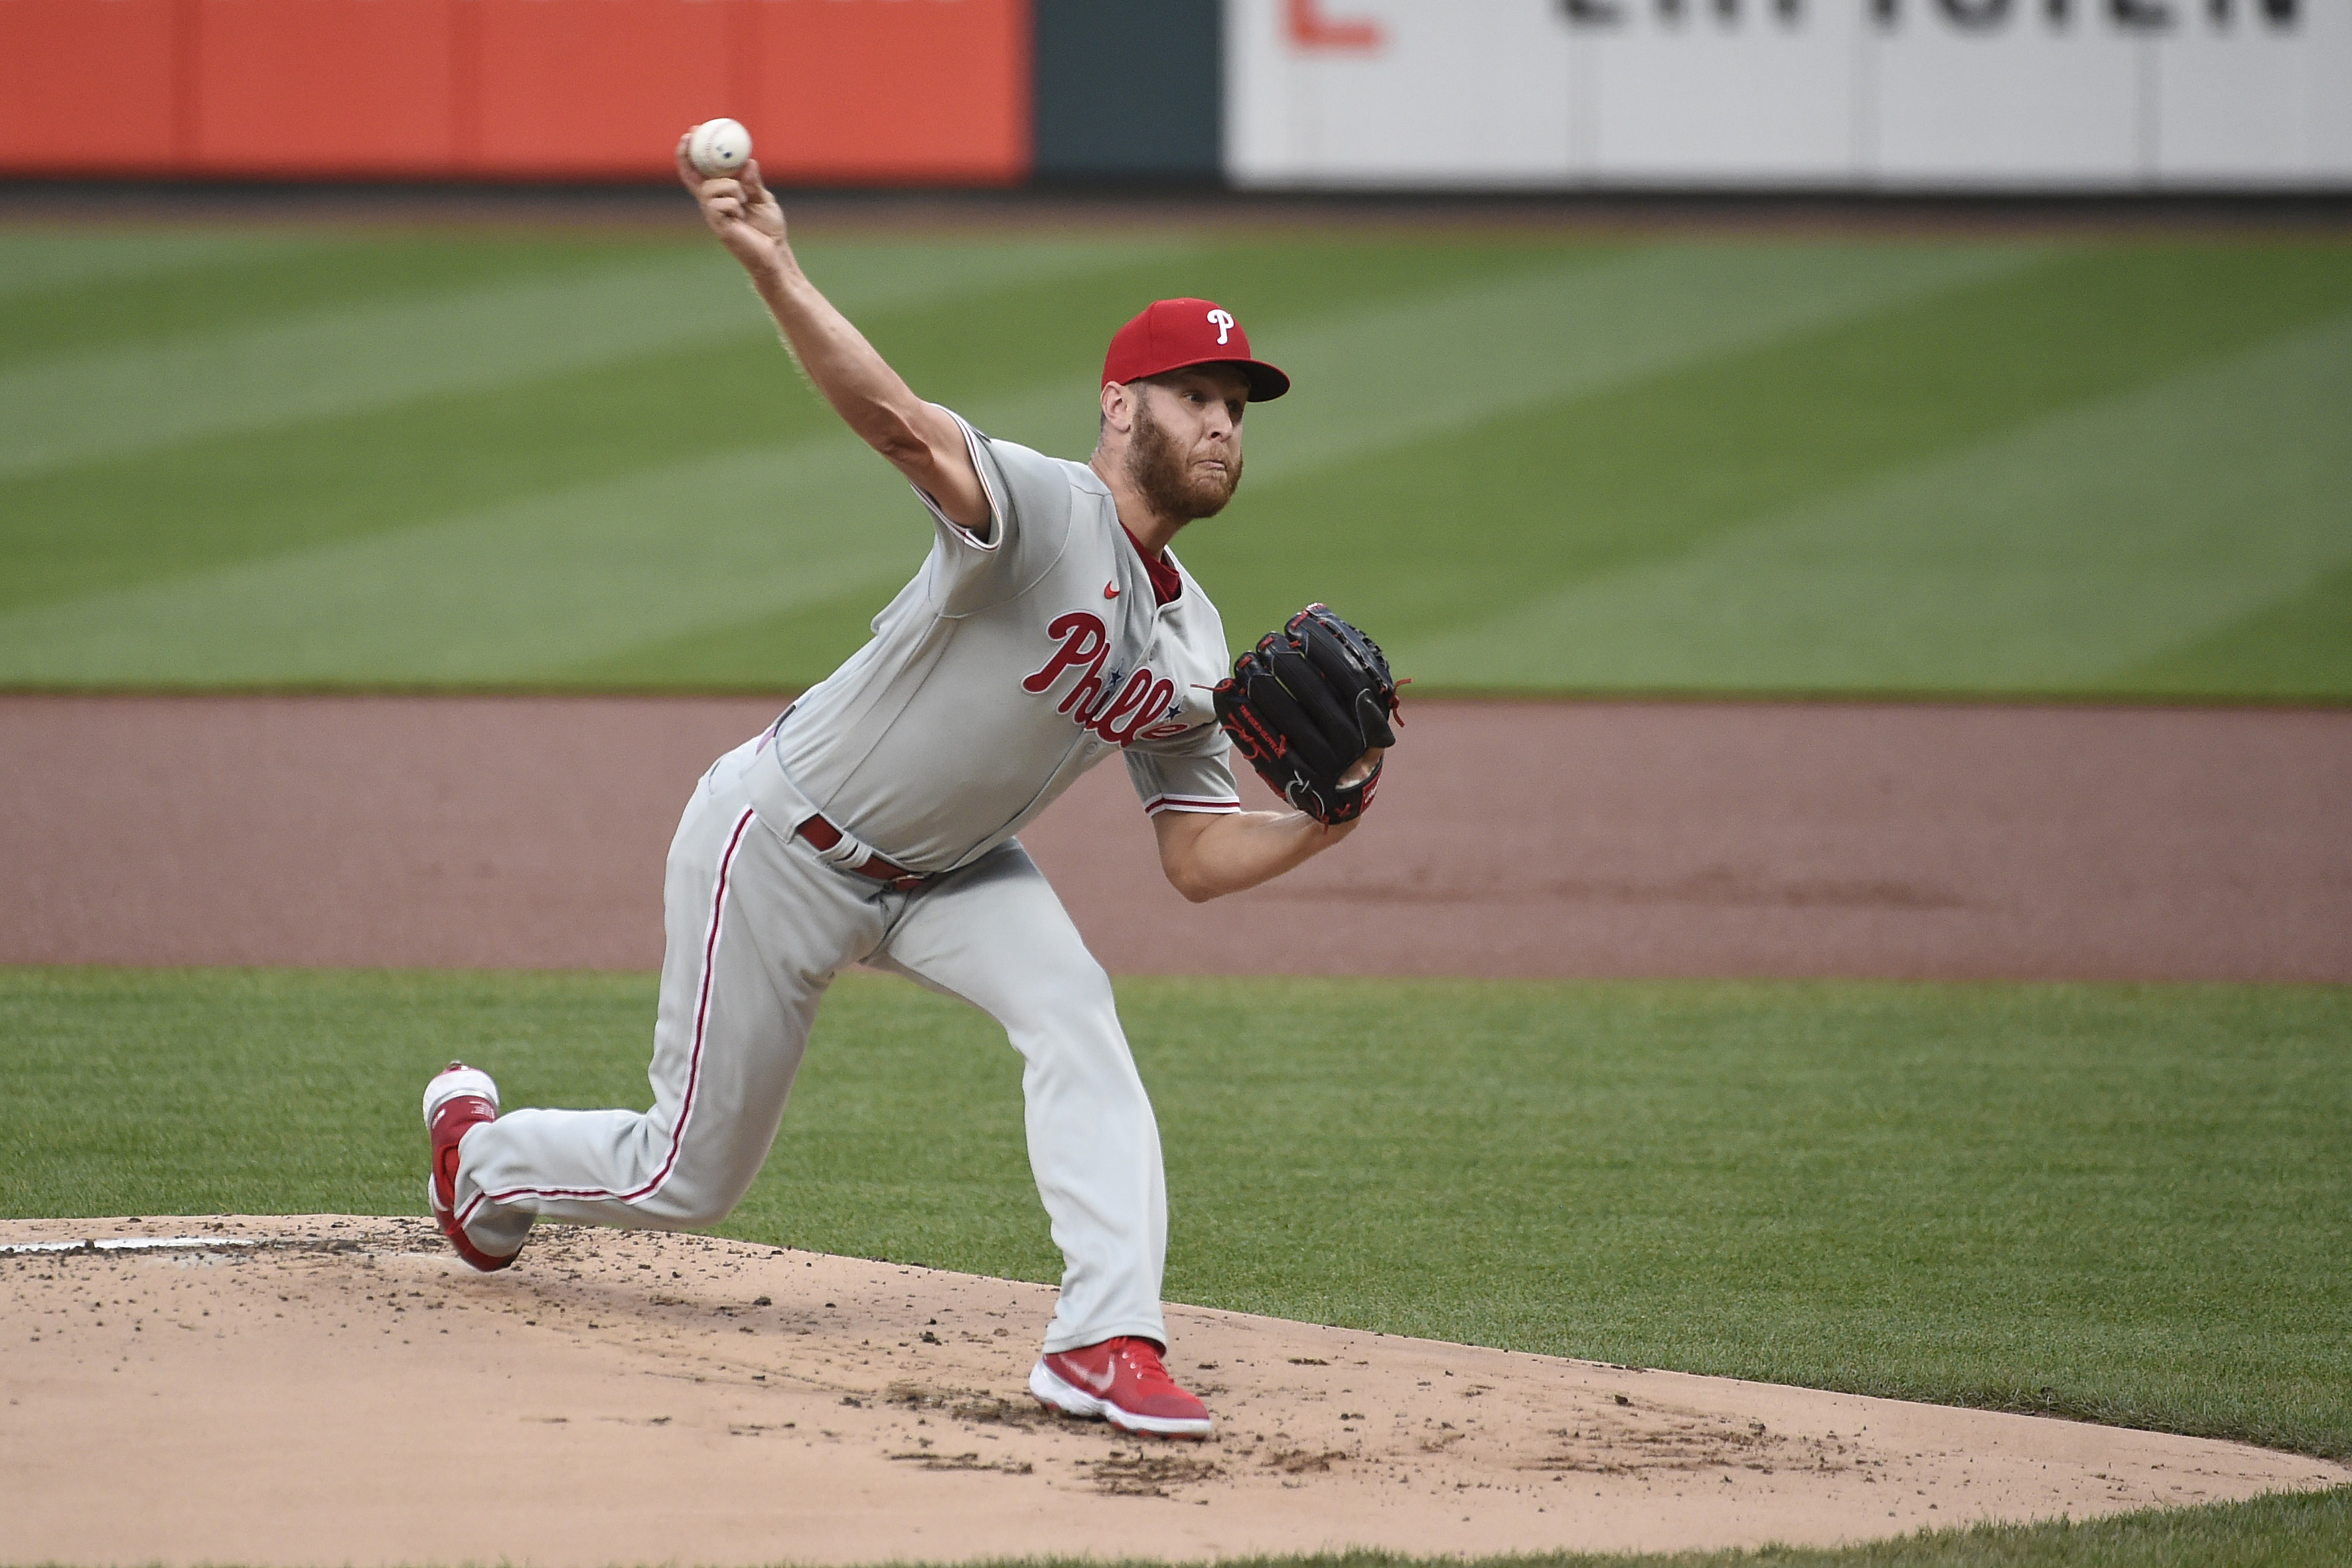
(716, 148)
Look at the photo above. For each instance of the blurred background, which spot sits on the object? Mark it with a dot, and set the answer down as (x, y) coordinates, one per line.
(1995, 347)
(1534, 94)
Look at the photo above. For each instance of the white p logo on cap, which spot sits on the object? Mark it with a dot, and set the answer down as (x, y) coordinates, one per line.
(1222, 322)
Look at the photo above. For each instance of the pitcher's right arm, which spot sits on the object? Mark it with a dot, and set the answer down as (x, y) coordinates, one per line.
(920, 440)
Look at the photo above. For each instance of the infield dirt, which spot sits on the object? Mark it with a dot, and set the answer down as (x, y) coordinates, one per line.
(348, 1392)
(1962, 841)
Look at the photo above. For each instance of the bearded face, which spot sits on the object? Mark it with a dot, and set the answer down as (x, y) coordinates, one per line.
(1166, 476)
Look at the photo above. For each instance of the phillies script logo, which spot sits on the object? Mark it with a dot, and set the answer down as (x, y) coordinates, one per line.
(1119, 714)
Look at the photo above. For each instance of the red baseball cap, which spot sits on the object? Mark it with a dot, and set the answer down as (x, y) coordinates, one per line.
(1173, 333)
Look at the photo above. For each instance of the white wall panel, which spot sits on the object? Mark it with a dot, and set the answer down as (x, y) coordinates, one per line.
(2024, 103)
(1462, 91)
(1702, 97)
(2332, 66)
(2250, 102)
(1893, 94)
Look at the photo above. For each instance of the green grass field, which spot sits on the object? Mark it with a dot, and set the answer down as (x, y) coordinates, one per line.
(286, 457)
(2131, 1205)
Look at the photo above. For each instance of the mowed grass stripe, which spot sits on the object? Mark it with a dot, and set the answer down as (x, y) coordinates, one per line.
(210, 503)
(1420, 370)
(765, 652)
(1028, 370)
(347, 360)
(1415, 367)
(2298, 647)
(344, 360)
(1055, 333)
(510, 593)
(33, 259)
(515, 591)
(2056, 558)
(1451, 534)
(2122, 1203)
(212, 297)
(206, 504)
(526, 590)
(1456, 529)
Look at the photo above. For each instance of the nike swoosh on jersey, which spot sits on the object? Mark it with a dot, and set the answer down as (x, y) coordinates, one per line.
(1110, 590)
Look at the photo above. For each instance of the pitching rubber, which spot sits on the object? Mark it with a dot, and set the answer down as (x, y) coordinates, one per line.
(1051, 1389)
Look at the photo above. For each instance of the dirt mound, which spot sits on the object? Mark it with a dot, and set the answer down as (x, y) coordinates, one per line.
(315, 1389)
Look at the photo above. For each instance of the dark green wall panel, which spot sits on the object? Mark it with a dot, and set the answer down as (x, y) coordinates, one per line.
(1130, 87)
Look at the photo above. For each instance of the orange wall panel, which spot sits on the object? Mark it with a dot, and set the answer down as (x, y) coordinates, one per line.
(838, 92)
(905, 90)
(86, 85)
(324, 87)
(585, 88)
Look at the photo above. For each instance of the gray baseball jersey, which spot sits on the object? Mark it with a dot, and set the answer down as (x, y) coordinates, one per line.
(1011, 664)
(1008, 667)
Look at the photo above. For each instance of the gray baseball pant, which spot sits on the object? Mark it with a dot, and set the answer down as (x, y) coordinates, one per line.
(758, 925)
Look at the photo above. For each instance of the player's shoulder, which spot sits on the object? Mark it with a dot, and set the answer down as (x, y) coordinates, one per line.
(1038, 468)
(1039, 500)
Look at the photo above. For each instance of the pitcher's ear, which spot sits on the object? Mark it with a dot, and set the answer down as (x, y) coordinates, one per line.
(1117, 405)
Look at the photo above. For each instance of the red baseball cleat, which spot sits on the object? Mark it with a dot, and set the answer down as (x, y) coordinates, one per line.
(1120, 1381)
(458, 1099)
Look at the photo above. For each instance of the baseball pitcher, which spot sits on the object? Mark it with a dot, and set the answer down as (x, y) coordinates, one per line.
(872, 823)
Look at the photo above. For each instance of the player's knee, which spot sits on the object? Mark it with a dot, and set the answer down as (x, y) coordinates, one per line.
(692, 1199)
(691, 1210)
(1069, 1007)
(1075, 995)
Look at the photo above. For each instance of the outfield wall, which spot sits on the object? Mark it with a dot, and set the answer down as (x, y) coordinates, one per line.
(1903, 94)
(1919, 95)
(843, 91)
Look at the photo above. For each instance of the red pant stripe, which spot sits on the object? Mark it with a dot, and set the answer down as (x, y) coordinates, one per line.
(694, 1062)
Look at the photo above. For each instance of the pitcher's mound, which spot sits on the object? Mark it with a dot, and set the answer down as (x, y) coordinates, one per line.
(344, 1390)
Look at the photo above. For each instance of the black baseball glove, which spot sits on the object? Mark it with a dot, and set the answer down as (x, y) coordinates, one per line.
(1305, 705)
